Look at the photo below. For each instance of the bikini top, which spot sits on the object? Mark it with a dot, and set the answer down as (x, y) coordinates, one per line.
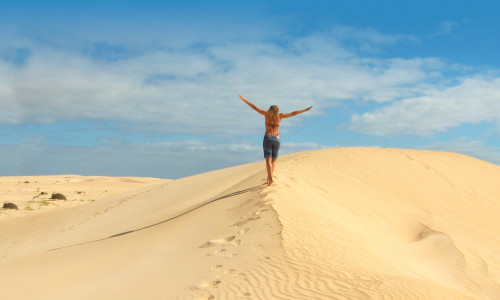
(273, 125)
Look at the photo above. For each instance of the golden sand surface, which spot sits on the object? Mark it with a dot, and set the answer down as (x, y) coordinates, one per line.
(342, 223)
(34, 193)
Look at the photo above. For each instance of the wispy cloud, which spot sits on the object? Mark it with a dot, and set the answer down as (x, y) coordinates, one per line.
(473, 100)
(369, 37)
(445, 27)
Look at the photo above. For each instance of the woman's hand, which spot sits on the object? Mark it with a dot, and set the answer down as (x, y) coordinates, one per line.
(241, 97)
(309, 108)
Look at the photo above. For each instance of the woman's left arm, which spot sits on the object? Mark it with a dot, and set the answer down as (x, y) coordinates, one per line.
(297, 112)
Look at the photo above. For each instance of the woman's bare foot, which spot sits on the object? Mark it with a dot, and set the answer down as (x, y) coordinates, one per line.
(270, 181)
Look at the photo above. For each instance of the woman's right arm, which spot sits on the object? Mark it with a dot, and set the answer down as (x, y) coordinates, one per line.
(257, 109)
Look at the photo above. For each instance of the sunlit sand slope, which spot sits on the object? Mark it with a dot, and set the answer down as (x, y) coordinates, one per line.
(387, 223)
(348, 223)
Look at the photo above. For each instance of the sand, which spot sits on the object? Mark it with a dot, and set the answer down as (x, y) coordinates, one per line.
(34, 193)
(344, 223)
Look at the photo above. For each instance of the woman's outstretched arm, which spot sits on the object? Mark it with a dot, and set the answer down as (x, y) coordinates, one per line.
(297, 112)
(257, 109)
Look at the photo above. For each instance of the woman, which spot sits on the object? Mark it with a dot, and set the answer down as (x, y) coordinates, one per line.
(272, 142)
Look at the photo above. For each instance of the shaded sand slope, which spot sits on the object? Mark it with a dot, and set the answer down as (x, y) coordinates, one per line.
(160, 242)
(348, 223)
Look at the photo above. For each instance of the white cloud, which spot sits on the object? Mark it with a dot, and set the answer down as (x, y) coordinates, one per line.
(192, 88)
(474, 100)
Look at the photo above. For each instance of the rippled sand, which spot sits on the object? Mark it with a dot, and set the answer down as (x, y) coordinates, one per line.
(346, 223)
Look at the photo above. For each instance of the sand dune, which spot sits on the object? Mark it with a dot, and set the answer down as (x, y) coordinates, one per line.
(33, 193)
(348, 223)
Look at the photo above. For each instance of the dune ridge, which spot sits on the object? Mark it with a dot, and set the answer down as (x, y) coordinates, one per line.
(416, 223)
(343, 223)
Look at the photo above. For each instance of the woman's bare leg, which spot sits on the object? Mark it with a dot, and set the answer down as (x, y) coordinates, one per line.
(270, 169)
(273, 163)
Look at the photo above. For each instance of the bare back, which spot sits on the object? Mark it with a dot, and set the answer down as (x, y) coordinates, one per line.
(272, 125)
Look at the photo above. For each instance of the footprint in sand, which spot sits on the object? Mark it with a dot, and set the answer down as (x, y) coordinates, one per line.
(260, 212)
(218, 241)
(239, 223)
(243, 222)
(235, 243)
(243, 231)
(254, 218)
(215, 267)
(216, 252)
(208, 284)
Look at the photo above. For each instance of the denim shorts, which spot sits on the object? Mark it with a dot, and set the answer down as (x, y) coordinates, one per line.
(271, 146)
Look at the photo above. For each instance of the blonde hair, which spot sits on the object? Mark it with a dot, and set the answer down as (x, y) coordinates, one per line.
(273, 111)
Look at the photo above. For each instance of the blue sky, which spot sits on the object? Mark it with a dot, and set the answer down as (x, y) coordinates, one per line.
(149, 88)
